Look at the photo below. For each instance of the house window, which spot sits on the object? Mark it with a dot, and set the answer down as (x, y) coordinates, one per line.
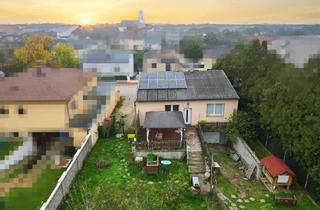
(168, 67)
(15, 134)
(116, 69)
(169, 108)
(21, 110)
(4, 110)
(154, 65)
(215, 109)
(175, 107)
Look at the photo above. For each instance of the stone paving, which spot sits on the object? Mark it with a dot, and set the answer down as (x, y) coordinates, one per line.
(196, 164)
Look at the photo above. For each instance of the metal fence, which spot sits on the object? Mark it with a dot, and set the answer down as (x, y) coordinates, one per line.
(65, 181)
(303, 178)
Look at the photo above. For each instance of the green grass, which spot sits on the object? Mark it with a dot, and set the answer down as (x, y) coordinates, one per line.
(260, 150)
(124, 185)
(7, 146)
(33, 197)
(234, 184)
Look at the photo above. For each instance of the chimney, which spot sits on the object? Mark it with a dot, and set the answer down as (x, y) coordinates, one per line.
(40, 65)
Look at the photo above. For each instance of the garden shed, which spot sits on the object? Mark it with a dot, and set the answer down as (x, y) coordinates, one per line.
(277, 172)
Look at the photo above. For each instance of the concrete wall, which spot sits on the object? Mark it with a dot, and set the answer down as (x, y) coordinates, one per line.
(199, 109)
(176, 155)
(247, 155)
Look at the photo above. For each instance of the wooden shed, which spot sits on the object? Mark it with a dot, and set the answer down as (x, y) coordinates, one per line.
(277, 172)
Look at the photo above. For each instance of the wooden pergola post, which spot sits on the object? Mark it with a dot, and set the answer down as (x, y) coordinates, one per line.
(181, 136)
(148, 131)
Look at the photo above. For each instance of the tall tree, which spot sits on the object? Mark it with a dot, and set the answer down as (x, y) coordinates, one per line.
(35, 47)
(283, 99)
(63, 56)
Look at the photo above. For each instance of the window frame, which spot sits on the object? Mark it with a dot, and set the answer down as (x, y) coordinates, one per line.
(154, 65)
(23, 110)
(4, 111)
(214, 114)
(171, 107)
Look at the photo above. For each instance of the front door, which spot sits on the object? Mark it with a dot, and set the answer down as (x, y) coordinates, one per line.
(187, 115)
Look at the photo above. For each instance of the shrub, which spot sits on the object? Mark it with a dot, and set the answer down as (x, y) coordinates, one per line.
(151, 157)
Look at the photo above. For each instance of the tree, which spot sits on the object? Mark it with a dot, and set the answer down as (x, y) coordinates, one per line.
(35, 47)
(138, 59)
(241, 124)
(63, 56)
(211, 40)
(192, 47)
(284, 99)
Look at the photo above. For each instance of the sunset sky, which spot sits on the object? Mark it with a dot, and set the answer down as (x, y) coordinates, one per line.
(160, 11)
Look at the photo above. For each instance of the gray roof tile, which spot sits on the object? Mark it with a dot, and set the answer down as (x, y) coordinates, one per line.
(208, 85)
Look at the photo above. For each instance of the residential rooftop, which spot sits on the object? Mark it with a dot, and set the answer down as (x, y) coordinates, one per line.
(110, 56)
(49, 84)
(204, 85)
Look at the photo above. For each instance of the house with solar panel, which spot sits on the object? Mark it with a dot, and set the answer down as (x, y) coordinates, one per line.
(168, 102)
(109, 63)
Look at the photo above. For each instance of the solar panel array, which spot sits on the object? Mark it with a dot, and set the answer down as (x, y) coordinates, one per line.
(162, 80)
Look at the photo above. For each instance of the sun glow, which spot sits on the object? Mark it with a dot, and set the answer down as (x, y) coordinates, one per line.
(86, 20)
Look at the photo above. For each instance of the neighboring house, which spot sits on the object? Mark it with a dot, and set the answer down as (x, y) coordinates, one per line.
(168, 101)
(296, 49)
(170, 60)
(153, 41)
(210, 56)
(48, 104)
(109, 63)
(277, 172)
(131, 44)
(201, 96)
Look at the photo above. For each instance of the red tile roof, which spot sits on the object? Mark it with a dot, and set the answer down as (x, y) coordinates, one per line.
(51, 85)
(276, 166)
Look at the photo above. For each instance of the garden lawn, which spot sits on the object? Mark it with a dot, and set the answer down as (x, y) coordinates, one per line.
(124, 185)
(33, 197)
(251, 195)
(7, 146)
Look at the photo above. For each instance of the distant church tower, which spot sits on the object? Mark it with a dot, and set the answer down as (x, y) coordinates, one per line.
(141, 16)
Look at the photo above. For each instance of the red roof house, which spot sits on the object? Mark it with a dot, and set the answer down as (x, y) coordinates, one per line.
(277, 172)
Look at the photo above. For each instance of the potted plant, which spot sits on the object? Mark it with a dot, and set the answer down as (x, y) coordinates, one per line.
(152, 163)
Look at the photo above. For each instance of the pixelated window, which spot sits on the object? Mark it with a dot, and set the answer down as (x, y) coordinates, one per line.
(21, 110)
(154, 65)
(175, 107)
(4, 110)
(117, 69)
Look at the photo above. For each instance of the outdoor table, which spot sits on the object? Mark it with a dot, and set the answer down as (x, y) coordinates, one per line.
(166, 162)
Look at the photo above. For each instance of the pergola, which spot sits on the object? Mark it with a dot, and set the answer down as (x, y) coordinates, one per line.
(164, 120)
